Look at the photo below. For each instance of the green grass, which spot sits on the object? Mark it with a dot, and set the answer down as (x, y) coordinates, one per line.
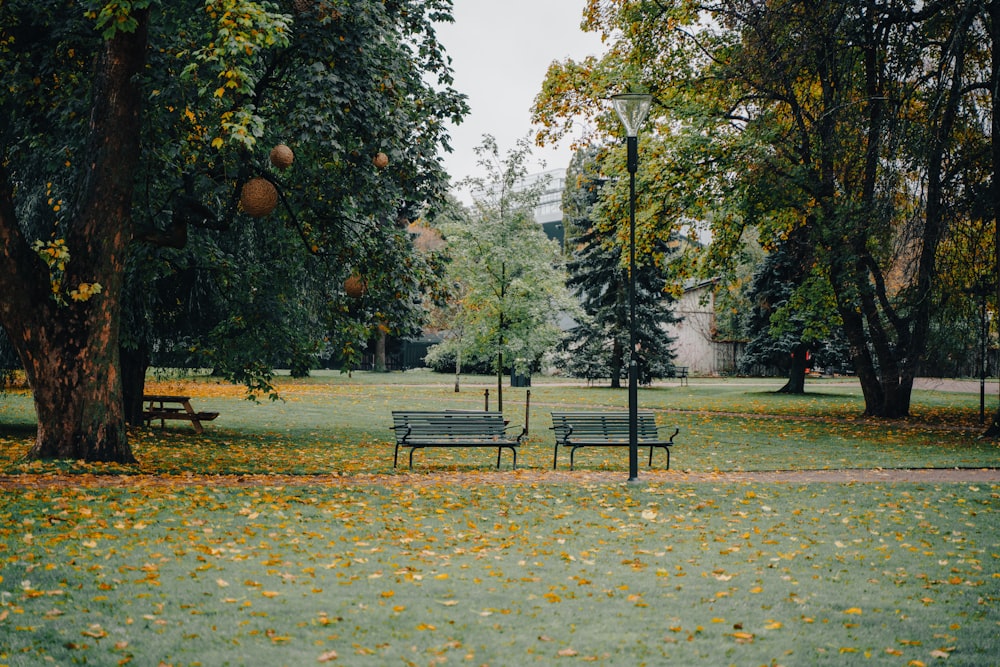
(502, 575)
(339, 424)
(380, 568)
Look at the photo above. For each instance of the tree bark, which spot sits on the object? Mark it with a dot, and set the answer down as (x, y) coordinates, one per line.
(70, 350)
(994, 26)
(617, 363)
(134, 364)
(797, 373)
(379, 365)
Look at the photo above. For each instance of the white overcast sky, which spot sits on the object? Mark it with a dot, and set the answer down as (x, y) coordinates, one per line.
(500, 51)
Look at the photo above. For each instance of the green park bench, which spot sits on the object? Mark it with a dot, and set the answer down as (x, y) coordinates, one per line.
(418, 429)
(606, 429)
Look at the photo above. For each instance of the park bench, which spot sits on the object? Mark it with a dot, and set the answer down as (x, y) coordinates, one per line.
(418, 429)
(165, 407)
(606, 429)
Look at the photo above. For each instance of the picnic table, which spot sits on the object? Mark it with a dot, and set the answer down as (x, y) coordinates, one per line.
(164, 407)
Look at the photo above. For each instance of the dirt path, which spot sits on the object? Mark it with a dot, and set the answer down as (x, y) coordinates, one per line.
(448, 478)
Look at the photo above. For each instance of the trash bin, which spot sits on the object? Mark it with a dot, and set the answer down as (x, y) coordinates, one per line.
(519, 379)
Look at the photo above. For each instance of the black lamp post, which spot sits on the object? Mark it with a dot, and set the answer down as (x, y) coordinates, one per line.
(632, 109)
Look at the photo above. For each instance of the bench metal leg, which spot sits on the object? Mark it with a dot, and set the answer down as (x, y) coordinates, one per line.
(555, 455)
(395, 456)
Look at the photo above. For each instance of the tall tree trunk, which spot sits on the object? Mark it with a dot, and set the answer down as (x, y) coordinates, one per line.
(994, 25)
(797, 374)
(134, 364)
(617, 363)
(379, 365)
(70, 351)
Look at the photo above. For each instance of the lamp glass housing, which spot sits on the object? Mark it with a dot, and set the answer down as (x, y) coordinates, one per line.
(632, 109)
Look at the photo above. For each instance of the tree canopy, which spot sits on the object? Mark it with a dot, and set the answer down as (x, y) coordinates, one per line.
(858, 127)
(508, 276)
(598, 273)
(133, 129)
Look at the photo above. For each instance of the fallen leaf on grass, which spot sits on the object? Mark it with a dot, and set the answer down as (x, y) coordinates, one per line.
(327, 657)
(567, 653)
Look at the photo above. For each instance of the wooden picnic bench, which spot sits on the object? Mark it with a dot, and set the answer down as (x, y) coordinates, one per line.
(164, 407)
(606, 429)
(418, 429)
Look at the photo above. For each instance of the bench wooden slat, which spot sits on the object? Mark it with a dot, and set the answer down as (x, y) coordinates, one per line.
(606, 429)
(418, 429)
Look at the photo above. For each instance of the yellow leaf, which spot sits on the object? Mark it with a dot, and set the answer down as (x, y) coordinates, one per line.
(774, 625)
(270, 594)
(388, 594)
(853, 610)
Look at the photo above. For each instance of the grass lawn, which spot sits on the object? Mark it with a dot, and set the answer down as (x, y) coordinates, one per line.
(378, 567)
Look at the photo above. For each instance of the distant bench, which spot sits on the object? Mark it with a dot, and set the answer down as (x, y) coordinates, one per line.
(418, 429)
(606, 429)
(163, 407)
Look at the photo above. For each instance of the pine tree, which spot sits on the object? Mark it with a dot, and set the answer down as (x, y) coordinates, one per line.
(598, 347)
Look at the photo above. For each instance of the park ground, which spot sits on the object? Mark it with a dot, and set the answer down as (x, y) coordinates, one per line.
(789, 531)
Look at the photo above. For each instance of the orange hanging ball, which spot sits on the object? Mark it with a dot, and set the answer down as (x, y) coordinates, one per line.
(381, 160)
(258, 197)
(282, 156)
(354, 286)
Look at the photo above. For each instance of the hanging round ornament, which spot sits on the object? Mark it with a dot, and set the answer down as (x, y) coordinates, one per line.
(258, 197)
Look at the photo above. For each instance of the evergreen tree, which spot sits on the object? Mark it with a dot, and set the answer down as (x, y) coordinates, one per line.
(598, 346)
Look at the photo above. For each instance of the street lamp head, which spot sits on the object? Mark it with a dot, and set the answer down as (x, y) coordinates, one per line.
(632, 109)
